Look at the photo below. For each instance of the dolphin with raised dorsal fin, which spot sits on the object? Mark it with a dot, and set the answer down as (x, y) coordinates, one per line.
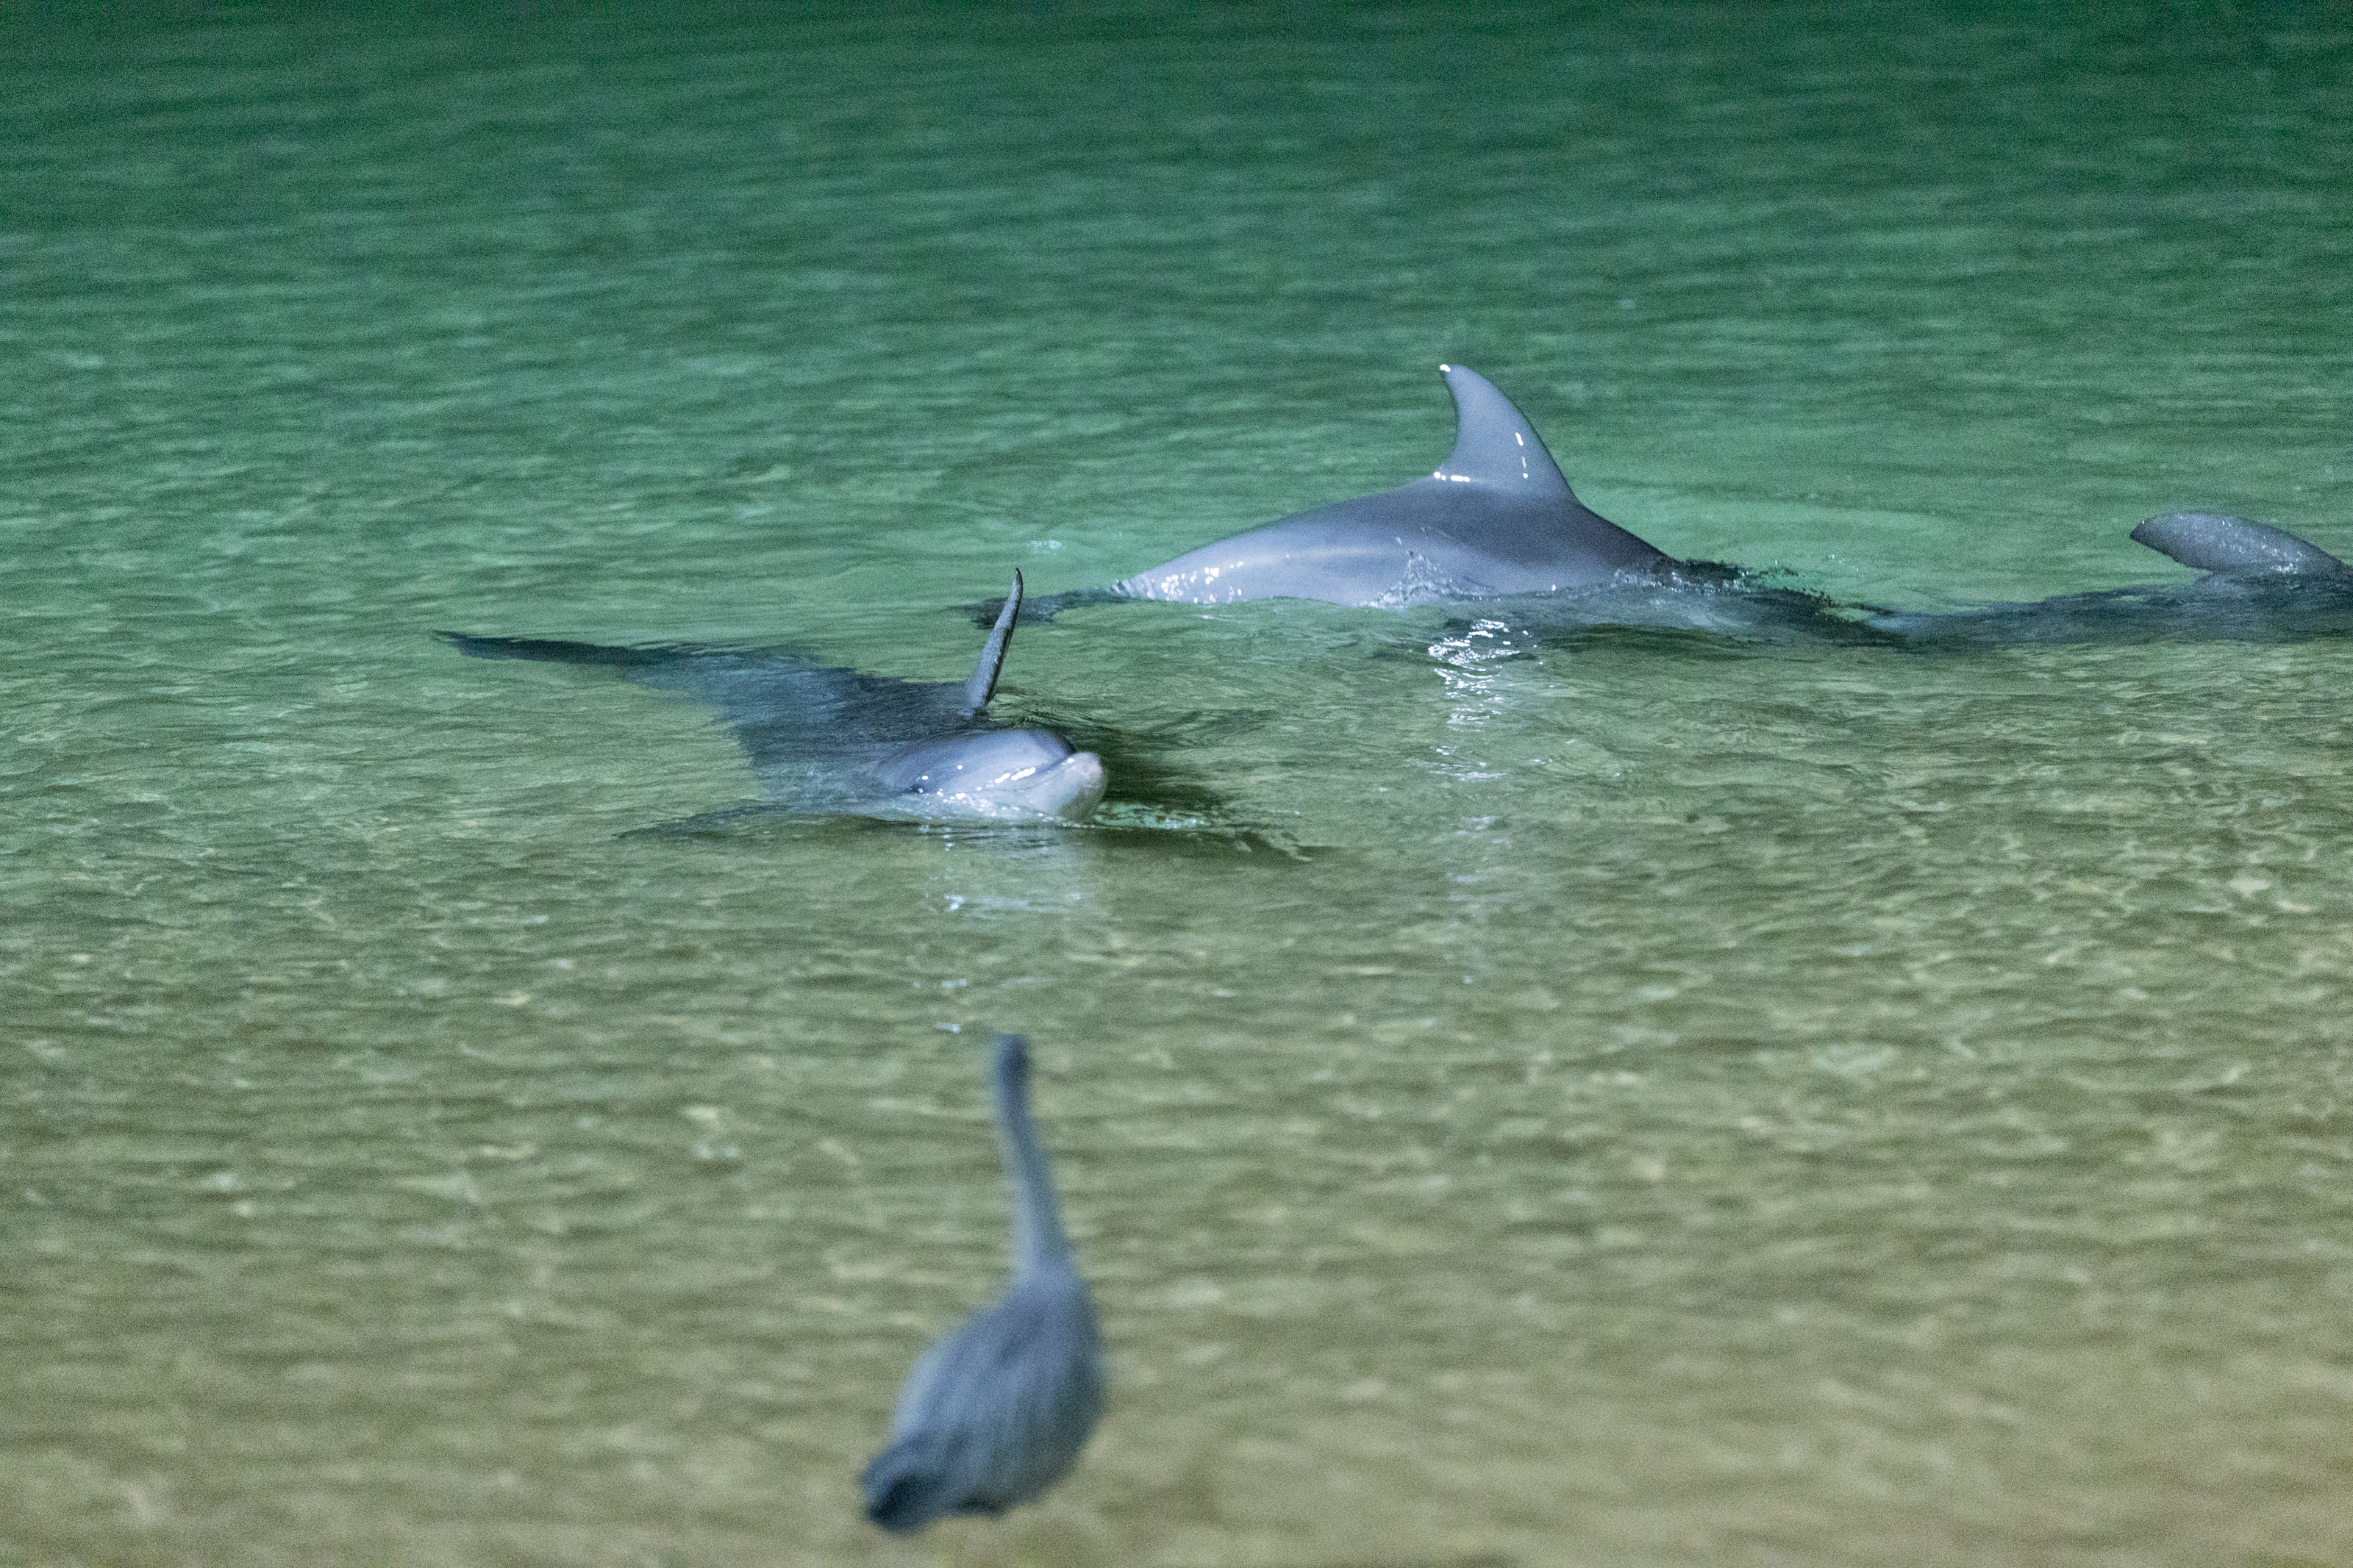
(1495, 518)
(1498, 520)
(839, 741)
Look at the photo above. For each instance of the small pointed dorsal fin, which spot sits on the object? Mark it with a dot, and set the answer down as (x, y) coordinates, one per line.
(983, 684)
(2209, 541)
(1493, 442)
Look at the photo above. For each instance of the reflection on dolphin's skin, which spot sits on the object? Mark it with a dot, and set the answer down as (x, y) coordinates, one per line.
(997, 1412)
(828, 740)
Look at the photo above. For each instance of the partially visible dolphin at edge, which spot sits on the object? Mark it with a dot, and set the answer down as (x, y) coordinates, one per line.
(1497, 521)
(2261, 583)
(828, 740)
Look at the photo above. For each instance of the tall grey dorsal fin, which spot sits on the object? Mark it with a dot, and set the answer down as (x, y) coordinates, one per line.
(2208, 541)
(983, 684)
(1493, 442)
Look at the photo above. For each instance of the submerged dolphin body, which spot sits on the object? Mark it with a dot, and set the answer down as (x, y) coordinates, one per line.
(1496, 522)
(1495, 519)
(838, 741)
(2262, 583)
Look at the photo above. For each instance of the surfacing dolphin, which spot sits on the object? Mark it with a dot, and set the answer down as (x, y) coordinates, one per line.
(1498, 523)
(827, 740)
(2262, 583)
(1495, 519)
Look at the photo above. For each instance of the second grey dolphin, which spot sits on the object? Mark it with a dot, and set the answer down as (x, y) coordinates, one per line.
(1496, 518)
(2262, 583)
(839, 741)
(1498, 521)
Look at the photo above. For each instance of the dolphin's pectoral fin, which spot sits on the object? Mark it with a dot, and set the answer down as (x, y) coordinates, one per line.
(2208, 541)
(983, 684)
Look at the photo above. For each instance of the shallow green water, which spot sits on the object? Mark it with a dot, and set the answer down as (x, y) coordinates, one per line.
(1637, 1097)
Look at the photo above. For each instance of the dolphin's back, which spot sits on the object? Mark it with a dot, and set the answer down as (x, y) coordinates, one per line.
(1434, 538)
(1495, 518)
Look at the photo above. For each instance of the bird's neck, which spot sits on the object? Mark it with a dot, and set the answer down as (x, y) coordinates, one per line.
(1037, 1239)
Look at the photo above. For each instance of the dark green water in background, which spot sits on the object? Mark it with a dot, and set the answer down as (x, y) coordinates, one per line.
(1643, 1098)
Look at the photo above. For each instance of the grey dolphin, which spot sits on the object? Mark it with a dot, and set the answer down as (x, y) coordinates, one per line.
(1496, 518)
(2261, 583)
(839, 741)
(997, 1412)
(1497, 523)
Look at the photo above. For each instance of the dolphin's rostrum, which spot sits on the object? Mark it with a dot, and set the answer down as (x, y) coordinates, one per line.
(995, 1412)
(831, 739)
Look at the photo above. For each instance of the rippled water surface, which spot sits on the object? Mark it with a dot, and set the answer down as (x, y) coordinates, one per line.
(1523, 1097)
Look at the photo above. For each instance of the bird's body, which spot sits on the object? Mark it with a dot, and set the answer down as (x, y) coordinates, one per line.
(997, 1412)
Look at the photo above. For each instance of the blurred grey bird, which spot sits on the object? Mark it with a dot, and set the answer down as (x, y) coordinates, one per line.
(997, 1412)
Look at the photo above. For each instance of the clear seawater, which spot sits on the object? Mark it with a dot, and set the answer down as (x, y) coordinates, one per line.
(1636, 1097)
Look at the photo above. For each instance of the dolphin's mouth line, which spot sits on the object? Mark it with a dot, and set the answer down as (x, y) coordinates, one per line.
(983, 787)
(1016, 795)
